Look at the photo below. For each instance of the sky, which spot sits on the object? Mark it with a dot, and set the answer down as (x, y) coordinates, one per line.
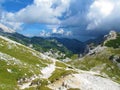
(79, 19)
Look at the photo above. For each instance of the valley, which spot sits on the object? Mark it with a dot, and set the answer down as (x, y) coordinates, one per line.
(23, 68)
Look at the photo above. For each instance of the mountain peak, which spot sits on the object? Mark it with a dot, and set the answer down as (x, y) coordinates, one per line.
(6, 29)
(111, 36)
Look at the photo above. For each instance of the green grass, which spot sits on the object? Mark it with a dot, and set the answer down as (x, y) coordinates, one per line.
(29, 63)
(74, 89)
(60, 64)
(74, 56)
(43, 88)
(29, 59)
(43, 85)
(8, 80)
(58, 73)
(100, 62)
(31, 88)
(114, 43)
(22, 53)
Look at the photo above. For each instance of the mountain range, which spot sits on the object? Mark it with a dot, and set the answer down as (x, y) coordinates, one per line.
(65, 46)
(24, 64)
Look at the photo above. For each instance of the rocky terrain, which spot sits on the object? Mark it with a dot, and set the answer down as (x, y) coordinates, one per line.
(26, 69)
(104, 59)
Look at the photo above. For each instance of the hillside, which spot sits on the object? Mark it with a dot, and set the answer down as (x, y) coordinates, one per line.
(104, 59)
(26, 69)
(113, 40)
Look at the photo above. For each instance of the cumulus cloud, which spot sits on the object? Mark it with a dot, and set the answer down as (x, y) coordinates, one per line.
(72, 13)
(61, 32)
(58, 31)
(55, 32)
(77, 13)
(41, 11)
(43, 33)
(68, 17)
(104, 15)
(11, 24)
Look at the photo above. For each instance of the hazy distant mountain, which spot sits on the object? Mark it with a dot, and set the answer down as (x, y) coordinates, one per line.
(96, 41)
(73, 45)
(65, 46)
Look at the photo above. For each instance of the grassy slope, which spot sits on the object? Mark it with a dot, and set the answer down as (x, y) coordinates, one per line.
(27, 66)
(18, 61)
(38, 43)
(100, 62)
(114, 43)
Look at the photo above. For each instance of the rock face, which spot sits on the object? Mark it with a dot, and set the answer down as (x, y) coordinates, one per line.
(96, 50)
(111, 36)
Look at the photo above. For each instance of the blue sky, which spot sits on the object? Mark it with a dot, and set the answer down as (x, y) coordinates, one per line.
(80, 19)
(15, 5)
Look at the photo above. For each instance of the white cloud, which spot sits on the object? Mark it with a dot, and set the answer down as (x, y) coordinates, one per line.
(61, 31)
(67, 17)
(58, 31)
(11, 24)
(104, 14)
(40, 11)
(104, 7)
(43, 33)
(68, 33)
(54, 30)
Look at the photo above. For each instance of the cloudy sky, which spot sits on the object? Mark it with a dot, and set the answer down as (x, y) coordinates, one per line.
(80, 19)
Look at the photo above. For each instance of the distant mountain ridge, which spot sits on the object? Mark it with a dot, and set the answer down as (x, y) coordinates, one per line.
(61, 47)
(73, 45)
(64, 45)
